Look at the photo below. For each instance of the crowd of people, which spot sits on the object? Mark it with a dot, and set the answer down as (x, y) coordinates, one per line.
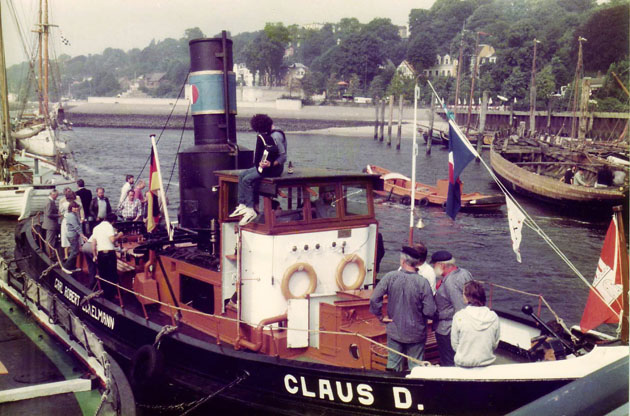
(466, 331)
(79, 223)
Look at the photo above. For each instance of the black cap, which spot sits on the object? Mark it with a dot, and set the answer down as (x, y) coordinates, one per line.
(411, 252)
(440, 256)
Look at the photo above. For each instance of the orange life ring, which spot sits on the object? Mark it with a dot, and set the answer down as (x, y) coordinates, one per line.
(299, 267)
(350, 258)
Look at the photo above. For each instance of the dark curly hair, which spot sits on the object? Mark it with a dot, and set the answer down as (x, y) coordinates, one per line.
(261, 123)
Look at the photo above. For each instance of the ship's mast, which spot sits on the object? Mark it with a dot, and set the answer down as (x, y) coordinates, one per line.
(576, 89)
(532, 93)
(5, 134)
(45, 63)
(40, 62)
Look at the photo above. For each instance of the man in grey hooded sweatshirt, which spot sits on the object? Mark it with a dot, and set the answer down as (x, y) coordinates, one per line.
(475, 331)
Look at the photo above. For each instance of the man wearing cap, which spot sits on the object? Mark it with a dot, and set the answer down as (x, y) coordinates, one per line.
(448, 299)
(410, 302)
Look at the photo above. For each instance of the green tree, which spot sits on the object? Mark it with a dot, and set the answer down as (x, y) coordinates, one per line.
(421, 52)
(360, 54)
(607, 34)
(265, 56)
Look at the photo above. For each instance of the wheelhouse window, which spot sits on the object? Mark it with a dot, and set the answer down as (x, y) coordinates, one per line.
(288, 206)
(356, 200)
(324, 201)
(197, 294)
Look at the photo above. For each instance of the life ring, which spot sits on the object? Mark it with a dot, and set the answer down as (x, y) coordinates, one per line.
(146, 366)
(350, 258)
(299, 267)
(423, 202)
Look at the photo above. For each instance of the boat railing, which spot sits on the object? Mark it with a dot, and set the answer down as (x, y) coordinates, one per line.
(270, 324)
(540, 300)
(42, 242)
(62, 321)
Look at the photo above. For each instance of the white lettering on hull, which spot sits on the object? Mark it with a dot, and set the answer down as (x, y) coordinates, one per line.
(345, 392)
(99, 315)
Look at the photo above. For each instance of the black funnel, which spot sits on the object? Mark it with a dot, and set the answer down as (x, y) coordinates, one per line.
(212, 92)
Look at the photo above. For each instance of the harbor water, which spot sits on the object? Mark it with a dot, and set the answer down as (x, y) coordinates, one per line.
(480, 242)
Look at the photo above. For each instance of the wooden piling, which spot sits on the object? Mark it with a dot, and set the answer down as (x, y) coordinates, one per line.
(400, 116)
(376, 103)
(382, 131)
(389, 122)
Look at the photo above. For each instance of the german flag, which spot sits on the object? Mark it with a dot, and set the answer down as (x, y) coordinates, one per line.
(153, 206)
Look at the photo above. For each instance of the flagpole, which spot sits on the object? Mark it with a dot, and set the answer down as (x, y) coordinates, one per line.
(162, 194)
(414, 154)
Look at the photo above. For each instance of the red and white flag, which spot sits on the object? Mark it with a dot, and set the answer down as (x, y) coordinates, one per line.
(604, 300)
(516, 218)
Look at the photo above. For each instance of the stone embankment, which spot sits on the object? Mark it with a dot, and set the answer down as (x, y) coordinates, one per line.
(175, 115)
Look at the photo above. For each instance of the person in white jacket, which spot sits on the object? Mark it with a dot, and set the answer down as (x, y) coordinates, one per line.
(475, 331)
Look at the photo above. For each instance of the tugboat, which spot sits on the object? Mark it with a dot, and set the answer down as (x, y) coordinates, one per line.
(275, 314)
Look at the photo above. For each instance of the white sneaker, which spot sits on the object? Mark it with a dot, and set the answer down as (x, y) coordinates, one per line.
(240, 210)
(248, 217)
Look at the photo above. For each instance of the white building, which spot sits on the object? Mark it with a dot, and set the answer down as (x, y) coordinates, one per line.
(446, 66)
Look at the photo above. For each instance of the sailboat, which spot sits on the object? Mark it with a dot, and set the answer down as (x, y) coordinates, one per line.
(26, 179)
(39, 133)
(535, 165)
(275, 314)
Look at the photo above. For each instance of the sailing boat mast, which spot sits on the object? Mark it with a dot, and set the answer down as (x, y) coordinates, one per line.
(472, 83)
(41, 59)
(576, 89)
(45, 63)
(5, 134)
(532, 93)
(459, 69)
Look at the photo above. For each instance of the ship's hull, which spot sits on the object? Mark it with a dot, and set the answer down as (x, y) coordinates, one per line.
(203, 365)
(551, 190)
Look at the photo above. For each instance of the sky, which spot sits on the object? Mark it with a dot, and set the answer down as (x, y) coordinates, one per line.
(90, 26)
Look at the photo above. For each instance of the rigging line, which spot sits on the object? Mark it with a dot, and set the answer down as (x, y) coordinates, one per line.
(181, 138)
(166, 123)
(529, 220)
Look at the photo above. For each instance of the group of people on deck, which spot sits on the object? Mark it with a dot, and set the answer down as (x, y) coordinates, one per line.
(466, 331)
(605, 177)
(82, 223)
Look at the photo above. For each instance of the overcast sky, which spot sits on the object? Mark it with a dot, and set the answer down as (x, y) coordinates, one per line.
(93, 25)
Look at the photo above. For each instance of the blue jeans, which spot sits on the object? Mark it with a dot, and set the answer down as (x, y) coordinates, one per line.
(247, 181)
(71, 261)
(447, 354)
(414, 350)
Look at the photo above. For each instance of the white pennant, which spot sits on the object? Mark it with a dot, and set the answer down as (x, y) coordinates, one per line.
(515, 220)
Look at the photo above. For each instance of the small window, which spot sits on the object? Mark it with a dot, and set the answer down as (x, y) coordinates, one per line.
(196, 294)
(356, 201)
(288, 206)
(324, 201)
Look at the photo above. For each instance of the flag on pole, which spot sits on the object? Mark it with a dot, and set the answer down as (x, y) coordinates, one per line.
(153, 206)
(604, 300)
(515, 220)
(460, 153)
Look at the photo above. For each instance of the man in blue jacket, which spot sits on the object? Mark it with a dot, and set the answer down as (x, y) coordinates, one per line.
(410, 303)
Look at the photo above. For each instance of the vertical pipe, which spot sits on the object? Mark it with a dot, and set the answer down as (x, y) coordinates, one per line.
(400, 116)
(482, 123)
(389, 123)
(414, 153)
(431, 121)
(7, 144)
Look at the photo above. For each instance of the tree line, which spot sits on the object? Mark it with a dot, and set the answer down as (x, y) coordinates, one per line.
(365, 56)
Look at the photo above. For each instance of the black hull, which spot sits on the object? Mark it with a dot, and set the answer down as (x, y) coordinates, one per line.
(203, 366)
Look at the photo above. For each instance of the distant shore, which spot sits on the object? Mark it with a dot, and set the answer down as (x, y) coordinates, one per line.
(329, 120)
